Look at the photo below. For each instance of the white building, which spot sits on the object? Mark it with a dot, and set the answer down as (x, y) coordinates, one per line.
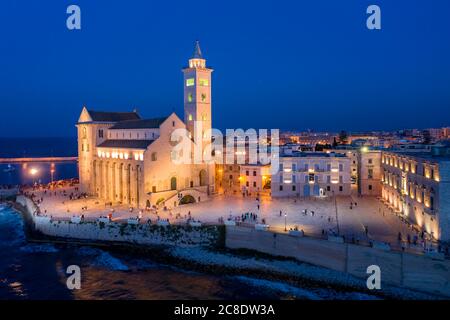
(124, 159)
(305, 174)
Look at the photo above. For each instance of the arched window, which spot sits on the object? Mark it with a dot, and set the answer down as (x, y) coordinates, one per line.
(84, 134)
(173, 183)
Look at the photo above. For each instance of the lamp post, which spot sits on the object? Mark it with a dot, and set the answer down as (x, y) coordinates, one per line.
(336, 209)
(33, 173)
(52, 171)
(285, 222)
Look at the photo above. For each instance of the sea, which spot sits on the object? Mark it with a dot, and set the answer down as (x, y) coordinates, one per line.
(37, 271)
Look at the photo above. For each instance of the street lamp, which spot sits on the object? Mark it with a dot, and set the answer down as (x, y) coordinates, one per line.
(285, 222)
(52, 171)
(336, 208)
(33, 173)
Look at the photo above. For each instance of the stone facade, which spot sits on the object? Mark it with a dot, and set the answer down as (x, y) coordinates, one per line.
(369, 172)
(418, 187)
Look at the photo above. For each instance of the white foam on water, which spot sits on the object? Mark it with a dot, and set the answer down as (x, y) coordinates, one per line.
(103, 259)
(39, 248)
(280, 287)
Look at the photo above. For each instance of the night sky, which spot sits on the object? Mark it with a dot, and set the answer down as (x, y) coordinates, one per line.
(278, 64)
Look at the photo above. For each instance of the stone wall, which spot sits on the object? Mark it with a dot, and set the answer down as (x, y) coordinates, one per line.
(397, 268)
(142, 234)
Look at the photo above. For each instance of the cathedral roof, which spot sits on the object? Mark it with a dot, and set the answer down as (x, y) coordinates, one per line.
(101, 116)
(139, 124)
(127, 144)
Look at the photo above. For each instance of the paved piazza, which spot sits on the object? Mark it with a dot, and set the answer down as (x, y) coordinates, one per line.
(381, 223)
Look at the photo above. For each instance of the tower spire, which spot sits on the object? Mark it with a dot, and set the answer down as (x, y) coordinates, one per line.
(197, 51)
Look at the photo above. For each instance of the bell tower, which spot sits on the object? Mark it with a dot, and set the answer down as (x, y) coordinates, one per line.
(197, 94)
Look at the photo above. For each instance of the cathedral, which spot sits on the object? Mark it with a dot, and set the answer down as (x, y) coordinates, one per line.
(127, 160)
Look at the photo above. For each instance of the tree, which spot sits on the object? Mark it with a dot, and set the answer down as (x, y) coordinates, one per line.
(426, 136)
(343, 137)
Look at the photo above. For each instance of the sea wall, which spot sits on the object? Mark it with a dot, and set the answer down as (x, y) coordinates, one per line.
(142, 234)
(397, 268)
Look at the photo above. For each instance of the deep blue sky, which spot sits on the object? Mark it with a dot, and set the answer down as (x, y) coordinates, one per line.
(278, 64)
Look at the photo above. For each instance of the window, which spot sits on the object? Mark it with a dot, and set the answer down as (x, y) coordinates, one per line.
(294, 188)
(370, 161)
(190, 82)
(154, 156)
(100, 133)
(154, 189)
(311, 177)
(190, 117)
(370, 173)
(247, 184)
(281, 188)
(173, 123)
(254, 173)
(294, 167)
(254, 184)
(231, 177)
(84, 134)
(190, 97)
(294, 178)
(341, 189)
(341, 167)
(203, 97)
(247, 173)
(328, 188)
(370, 187)
(203, 82)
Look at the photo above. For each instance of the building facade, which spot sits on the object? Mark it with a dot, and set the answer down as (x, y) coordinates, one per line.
(305, 174)
(369, 172)
(417, 186)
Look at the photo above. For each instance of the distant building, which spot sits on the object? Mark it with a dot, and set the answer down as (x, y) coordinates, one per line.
(305, 174)
(417, 185)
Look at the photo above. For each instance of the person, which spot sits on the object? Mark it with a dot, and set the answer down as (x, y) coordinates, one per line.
(280, 213)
